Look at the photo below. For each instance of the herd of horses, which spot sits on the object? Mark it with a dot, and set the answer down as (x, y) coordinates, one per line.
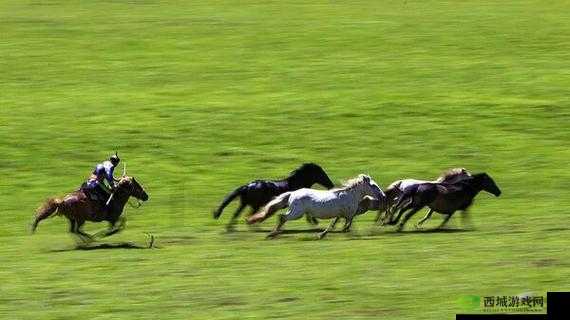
(453, 191)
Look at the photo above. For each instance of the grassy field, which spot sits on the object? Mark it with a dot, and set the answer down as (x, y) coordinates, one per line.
(202, 96)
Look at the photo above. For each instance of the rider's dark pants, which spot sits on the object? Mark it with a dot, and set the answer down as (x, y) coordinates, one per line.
(99, 192)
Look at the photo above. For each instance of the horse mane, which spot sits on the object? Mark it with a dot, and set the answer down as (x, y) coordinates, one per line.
(304, 166)
(454, 175)
(480, 175)
(293, 172)
(125, 179)
(354, 182)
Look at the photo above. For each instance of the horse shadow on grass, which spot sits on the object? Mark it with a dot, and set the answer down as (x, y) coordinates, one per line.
(436, 230)
(106, 246)
(388, 232)
(296, 231)
(376, 232)
(308, 234)
(363, 235)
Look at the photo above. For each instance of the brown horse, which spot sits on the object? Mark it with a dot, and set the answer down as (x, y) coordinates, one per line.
(396, 188)
(444, 198)
(77, 207)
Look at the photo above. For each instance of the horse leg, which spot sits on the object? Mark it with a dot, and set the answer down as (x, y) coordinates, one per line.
(72, 225)
(395, 220)
(381, 217)
(277, 230)
(445, 220)
(253, 211)
(311, 220)
(231, 224)
(399, 204)
(79, 231)
(293, 213)
(330, 227)
(406, 218)
(347, 224)
(392, 221)
(85, 237)
(425, 218)
(115, 227)
(333, 225)
(80, 239)
(466, 219)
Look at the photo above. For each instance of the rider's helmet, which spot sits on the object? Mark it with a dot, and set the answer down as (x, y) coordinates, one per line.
(115, 159)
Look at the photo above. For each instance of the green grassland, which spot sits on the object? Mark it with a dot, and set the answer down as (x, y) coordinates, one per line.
(202, 96)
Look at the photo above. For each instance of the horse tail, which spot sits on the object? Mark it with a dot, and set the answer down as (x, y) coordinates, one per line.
(280, 202)
(51, 206)
(229, 198)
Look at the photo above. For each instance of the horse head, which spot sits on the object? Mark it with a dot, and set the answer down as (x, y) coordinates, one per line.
(133, 188)
(487, 183)
(375, 190)
(311, 173)
(366, 186)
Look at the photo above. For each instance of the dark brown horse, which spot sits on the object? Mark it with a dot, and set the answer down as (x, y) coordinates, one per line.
(444, 198)
(396, 188)
(77, 207)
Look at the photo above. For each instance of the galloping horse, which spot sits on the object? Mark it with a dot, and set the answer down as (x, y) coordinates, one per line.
(77, 207)
(323, 204)
(444, 198)
(258, 193)
(396, 188)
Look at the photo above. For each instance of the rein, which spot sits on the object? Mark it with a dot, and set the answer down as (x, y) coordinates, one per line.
(135, 203)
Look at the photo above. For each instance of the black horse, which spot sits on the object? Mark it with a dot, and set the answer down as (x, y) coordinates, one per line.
(444, 198)
(258, 193)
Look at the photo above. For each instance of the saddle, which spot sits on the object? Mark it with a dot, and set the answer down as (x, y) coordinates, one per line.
(96, 194)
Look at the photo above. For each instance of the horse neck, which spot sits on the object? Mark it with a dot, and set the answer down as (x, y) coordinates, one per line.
(296, 181)
(121, 197)
(475, 184)
(356, 190)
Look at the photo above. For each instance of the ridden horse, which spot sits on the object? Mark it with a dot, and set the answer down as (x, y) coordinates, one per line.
(78, 207)
(323, 204)
(258, 193)
(444, 198)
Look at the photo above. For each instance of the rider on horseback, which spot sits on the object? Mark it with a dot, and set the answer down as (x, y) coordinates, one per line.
(101, 183)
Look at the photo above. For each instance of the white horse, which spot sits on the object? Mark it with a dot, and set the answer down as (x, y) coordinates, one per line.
(323, 204)
(396, 189)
